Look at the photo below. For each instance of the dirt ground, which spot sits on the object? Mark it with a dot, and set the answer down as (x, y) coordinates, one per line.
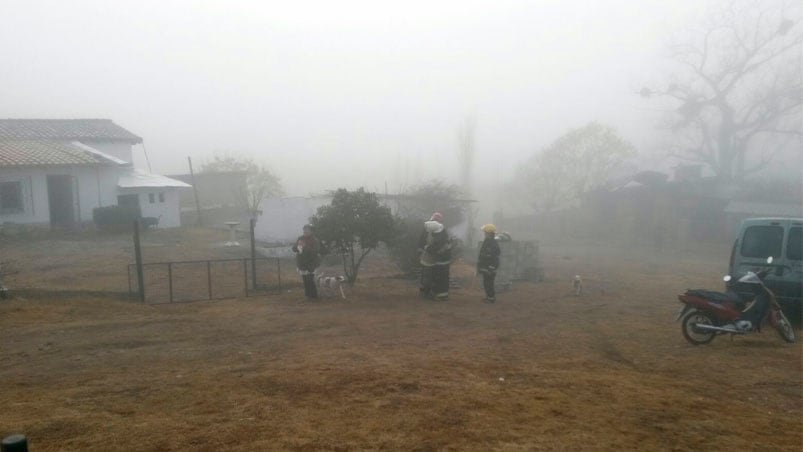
(540, 370)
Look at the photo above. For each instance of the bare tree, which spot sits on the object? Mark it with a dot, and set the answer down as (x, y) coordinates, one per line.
(737, 88)
(260, 181)
(581, 160)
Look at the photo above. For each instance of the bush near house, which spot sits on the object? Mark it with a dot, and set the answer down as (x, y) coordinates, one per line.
(115, 218)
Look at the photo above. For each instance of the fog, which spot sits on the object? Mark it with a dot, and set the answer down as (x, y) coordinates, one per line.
(341, 93)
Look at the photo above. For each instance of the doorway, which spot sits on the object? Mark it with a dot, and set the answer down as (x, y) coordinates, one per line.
(129, 201)
(61, 200)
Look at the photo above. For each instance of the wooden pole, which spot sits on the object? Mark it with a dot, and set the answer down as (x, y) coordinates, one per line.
(195, 191)
(253, 256)
(138, 257)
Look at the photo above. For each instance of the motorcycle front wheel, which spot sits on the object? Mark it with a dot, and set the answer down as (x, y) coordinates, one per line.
(785, 328)
(694, 335)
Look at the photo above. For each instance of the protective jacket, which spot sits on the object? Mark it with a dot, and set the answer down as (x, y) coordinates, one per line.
(488, 260)
(307, 251)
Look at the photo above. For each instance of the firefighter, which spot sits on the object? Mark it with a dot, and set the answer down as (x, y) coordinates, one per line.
(488, 261)
(436, 257)
(307, 251)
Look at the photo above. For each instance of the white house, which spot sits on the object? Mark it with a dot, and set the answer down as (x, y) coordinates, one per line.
(56, 171)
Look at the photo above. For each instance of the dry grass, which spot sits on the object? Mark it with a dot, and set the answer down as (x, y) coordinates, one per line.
(540, 370)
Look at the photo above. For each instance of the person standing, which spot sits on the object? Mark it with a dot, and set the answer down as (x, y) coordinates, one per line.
(488, 261)
(426, 260)
(437, 256)
(307, 251)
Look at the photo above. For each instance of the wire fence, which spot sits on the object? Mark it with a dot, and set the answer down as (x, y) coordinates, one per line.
(208, 279)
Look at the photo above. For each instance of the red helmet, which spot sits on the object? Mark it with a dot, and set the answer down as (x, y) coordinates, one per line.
(436, 217)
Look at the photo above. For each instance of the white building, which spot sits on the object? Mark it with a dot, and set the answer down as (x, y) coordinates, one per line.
(56, 171)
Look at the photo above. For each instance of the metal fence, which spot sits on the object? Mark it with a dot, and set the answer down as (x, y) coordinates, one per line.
(208, 279)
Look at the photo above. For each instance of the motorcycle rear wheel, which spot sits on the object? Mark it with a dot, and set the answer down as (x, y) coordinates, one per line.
(785, 328)
(694, 335)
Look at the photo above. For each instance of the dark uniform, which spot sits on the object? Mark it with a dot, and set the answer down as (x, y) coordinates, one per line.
(488, 265)
(307, 260)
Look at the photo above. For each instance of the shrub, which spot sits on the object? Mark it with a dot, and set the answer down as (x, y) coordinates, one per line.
(115, 218)
(415, 207)
(354, 224)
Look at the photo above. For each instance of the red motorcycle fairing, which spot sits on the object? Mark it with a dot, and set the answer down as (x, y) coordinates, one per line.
(723, 310)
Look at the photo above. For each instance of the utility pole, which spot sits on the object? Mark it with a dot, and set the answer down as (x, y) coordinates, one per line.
(195, 191)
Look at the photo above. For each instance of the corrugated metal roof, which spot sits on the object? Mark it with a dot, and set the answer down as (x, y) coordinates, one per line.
(769, 209)
(65, 129)
(134, 178)
(44, 152)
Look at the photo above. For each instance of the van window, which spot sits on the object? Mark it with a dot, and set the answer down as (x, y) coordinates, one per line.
(794, 248)
(762, 241)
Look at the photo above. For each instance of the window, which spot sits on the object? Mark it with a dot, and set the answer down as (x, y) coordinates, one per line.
(794, 248)
(161, 197)
(151, 198)
(762, 241)
(11, 197)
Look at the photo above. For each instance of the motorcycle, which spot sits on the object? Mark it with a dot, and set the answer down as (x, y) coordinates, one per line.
(707, 314)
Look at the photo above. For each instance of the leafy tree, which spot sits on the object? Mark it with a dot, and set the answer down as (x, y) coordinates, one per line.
(354, 223)
(260, 181)
(581, 160)
(737, 87)
(416, 206)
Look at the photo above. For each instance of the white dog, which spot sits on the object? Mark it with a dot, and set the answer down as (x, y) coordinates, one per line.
(329, 285)
(578, 285)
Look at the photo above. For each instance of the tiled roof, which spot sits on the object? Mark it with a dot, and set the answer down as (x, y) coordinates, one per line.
(44, 152)
(133, 178)
(65, 129)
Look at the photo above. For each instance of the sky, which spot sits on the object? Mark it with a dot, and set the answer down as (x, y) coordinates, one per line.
(339, 93)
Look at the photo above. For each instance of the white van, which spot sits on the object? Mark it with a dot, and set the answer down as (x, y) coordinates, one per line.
(781, 238)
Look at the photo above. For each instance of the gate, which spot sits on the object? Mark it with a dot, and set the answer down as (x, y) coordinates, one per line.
(210, 279)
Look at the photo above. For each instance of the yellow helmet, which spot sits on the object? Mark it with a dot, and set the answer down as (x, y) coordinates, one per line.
(488, 228)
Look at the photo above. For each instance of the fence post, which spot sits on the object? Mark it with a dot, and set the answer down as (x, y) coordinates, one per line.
(128, 273)
(245, 275)
(279, 272)
(209, 278)
(170, 279)
(253, 256)
(138, 257)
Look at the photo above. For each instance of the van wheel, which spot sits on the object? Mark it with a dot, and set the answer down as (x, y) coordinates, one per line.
(694, 335)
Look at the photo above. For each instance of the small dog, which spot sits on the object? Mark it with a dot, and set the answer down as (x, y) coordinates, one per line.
(577, 283)
(150, 222)
(329, 285)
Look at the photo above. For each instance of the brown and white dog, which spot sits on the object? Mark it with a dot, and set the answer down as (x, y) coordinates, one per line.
(330, 285)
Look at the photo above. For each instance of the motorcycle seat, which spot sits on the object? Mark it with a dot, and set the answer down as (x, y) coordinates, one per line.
(716, 297)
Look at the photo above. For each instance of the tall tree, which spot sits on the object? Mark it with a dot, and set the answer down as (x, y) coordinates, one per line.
(581, 160)
(260, 181)
(466, 152)
(354, 224)
(736, 88)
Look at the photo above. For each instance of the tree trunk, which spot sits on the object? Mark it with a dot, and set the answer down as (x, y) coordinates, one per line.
(725, 149)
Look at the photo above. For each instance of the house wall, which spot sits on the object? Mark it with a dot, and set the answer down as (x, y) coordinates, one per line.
(168, 212)
(120, 149)
(94, 186)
